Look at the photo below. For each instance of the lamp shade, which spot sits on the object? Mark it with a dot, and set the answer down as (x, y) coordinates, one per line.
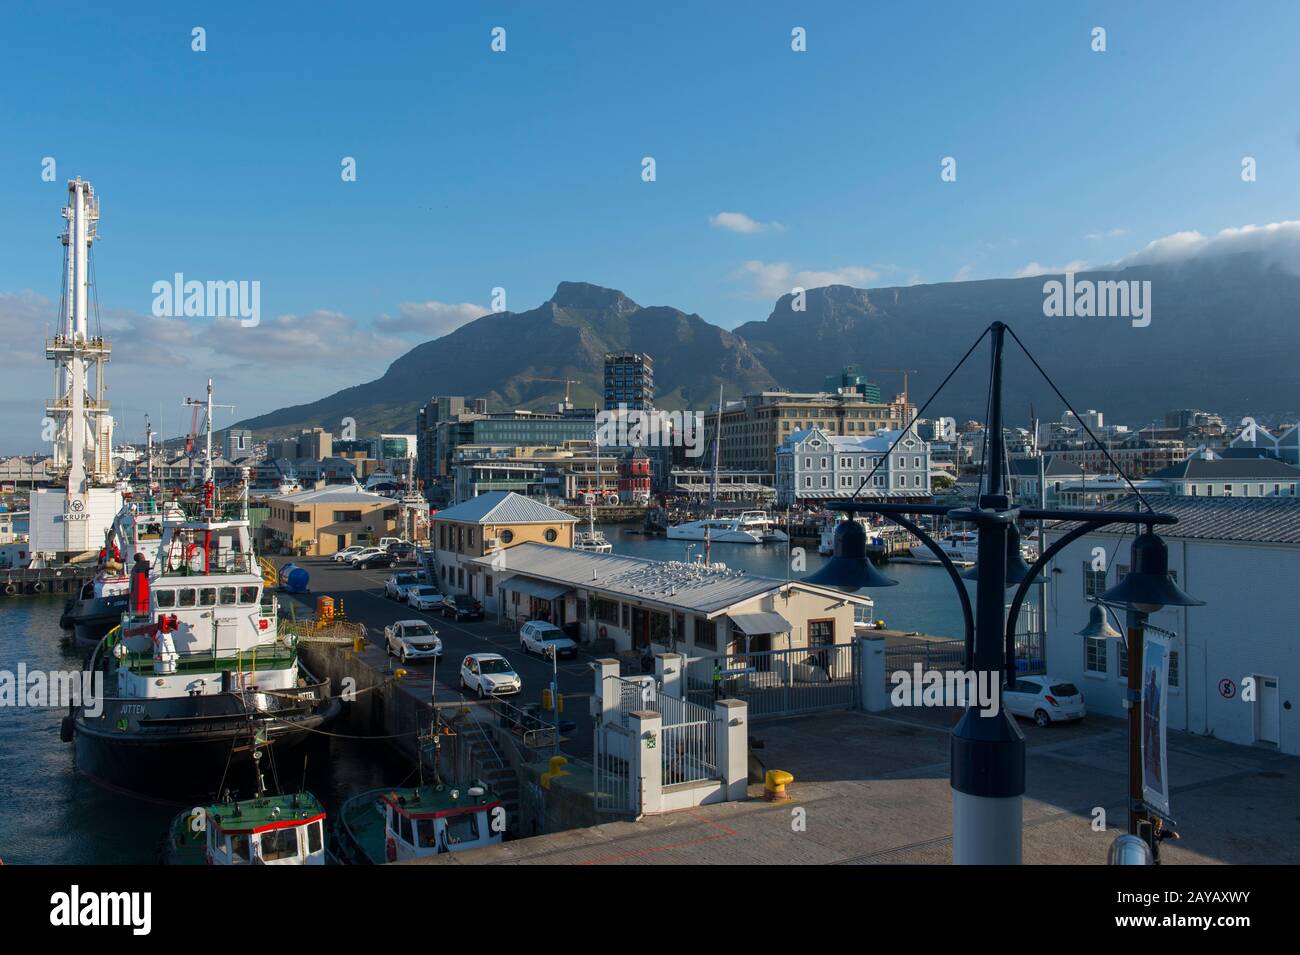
(1098, 626)
(849, 567)
(1017, 569)
(1148, 586)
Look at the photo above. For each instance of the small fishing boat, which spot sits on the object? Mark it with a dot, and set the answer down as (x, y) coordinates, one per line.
(592, 540)
(397, 824)
(265, 830)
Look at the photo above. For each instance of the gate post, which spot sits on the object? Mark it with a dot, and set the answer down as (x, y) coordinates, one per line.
(606, 698)
(670, 671)
(873, 687)
(731, 724)
(647, 760)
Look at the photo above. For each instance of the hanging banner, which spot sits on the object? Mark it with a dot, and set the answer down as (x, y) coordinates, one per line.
(1155, 686)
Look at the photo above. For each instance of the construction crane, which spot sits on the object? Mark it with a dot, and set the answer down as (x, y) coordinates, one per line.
(567, 383)
(905, 372)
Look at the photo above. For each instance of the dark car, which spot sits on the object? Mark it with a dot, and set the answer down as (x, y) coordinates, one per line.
(462, 607)
(402, 551)
(376, 560)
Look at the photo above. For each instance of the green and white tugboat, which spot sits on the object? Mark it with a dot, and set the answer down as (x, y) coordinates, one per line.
(400, 823)
(198, 676)
(264, 830)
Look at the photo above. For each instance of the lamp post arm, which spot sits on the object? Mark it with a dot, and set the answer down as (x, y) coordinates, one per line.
(968, 615)
(1035, 569)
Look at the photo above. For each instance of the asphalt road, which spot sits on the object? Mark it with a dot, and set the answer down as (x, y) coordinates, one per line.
(364, 602)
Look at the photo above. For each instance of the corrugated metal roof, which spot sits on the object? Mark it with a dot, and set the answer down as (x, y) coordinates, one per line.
(685, 586)
(1219, 469)
(504, 507)
(1267, 520)
(338, 494)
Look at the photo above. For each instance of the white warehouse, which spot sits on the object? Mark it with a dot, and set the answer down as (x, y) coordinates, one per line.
(813, 465)
(1242, 557)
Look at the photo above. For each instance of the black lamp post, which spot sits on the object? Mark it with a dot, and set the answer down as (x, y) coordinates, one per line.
(987, 767)
(1144, 590)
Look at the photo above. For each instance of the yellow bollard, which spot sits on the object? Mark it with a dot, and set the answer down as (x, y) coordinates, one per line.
(775, 783)
(556, 770)
(359, 645)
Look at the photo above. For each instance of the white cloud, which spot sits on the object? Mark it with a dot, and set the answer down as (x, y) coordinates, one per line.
(1035, 268)
(774, 279)
(739, 222)
(1109, 234)
(1277, 242)
(430, 319)
(965, 273)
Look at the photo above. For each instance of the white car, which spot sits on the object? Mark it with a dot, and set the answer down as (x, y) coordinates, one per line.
(424, 597)
(397, 585)
(1044, 699)
(347, 552)
(538, 636)
(362, 555)
(412, 640)
(489, 674)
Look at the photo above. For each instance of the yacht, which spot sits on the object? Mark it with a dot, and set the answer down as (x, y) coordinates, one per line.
(717, 530)
(592, 540)
(961, 547)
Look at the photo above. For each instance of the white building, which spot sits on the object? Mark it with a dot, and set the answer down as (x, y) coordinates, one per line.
(815, 465)
(1242, 557)
(1206, 474)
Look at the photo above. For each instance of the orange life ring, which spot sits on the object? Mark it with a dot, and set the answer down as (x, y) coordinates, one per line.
(391, 847)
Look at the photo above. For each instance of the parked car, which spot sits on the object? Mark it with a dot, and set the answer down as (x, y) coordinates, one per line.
(386, 542)
(412, 640)
(541, 637)
(489, 674)
(346, 553)
(403, 550)
(462, 607)
(1044, 699)
(424, 597)
(396, 586)
(362, 554)
(374, 561)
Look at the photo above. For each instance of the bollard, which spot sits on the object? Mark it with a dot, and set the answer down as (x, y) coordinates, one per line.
(774, 785)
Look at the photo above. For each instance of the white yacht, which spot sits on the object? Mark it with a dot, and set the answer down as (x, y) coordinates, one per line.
(717, 530)
(592, 540)
(961, 547)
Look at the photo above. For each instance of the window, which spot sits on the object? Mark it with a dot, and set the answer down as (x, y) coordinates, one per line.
(347, 517)
(165, 598)
(507, 536)
(626, 615)
(248, 595)
(302, 517)
(1095, 661)
(916, 462)
(606, 611)
(550, 535)
(706, 633)
(226, 596)
(487, 585)
(279, 844)
(187, 597)
(1094, 581)
(462, 827)
(1173, 668)
(406, 833)
(1123, 659)
(207, 596)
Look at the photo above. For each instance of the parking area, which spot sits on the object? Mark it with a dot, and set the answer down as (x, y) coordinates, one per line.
(364, 602)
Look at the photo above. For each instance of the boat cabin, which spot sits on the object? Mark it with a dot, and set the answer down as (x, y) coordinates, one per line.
(427, 821)
(269, 830)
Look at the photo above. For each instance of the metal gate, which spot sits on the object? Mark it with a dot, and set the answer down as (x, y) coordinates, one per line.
(613, 770)
(689, 752)
(781, 682)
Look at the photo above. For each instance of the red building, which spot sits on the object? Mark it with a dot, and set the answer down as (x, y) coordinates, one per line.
(634, 477)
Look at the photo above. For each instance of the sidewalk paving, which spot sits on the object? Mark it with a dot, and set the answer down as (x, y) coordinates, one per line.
(873, 788)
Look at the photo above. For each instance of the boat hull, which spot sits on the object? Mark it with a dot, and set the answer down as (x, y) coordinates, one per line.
(90, 619)
(714, 536)
(185, 750)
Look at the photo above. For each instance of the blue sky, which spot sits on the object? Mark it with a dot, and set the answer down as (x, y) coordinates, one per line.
(521, 169)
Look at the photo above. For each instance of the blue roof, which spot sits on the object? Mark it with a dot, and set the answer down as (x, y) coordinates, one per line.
(503, 507)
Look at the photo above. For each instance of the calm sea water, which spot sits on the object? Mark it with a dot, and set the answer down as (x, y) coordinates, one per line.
(924, 599)
(51, 814)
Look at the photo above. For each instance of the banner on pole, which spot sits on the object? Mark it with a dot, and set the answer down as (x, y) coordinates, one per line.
(1155, 686)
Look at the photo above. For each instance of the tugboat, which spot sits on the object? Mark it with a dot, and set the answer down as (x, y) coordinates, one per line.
(264, 830)
(394, 825)
(196, 675)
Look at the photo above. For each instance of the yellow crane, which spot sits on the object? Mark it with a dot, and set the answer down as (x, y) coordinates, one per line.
(566, 381)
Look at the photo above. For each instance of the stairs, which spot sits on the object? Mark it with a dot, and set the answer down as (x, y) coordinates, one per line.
(491, 768)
